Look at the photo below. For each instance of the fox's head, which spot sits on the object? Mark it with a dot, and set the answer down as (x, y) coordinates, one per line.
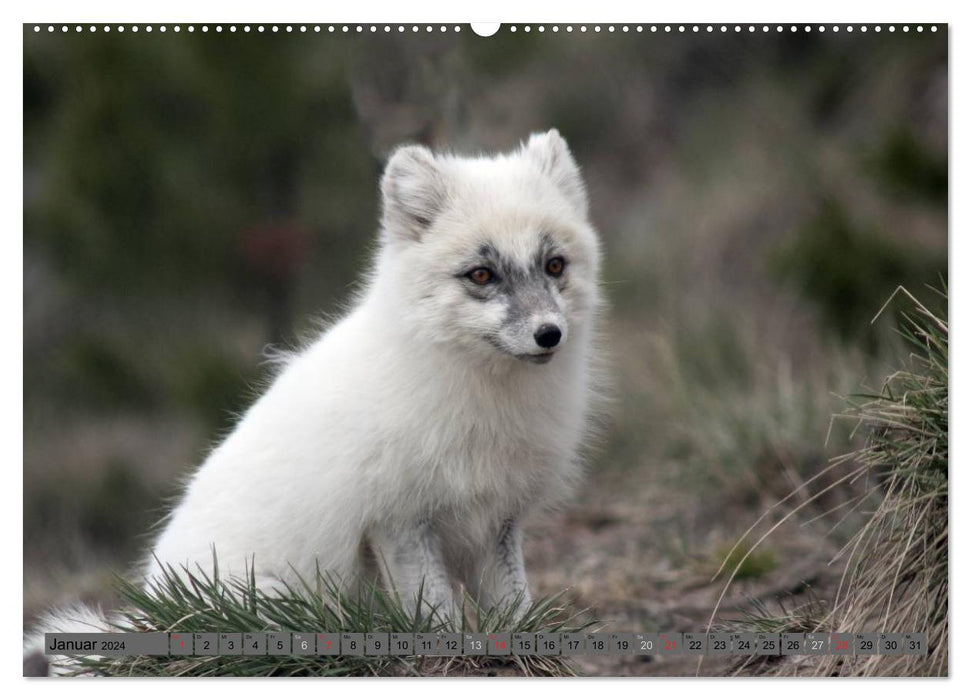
(491, 254)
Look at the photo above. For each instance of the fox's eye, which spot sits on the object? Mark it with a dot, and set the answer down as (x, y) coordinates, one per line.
(481, 275)
(554, 267)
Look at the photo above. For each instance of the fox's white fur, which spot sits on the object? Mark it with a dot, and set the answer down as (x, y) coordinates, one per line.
(416, 432)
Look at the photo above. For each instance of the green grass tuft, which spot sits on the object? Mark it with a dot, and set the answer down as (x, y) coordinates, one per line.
(758, 564)
(198, 602)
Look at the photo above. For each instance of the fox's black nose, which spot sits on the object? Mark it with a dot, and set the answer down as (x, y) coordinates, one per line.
(547, 336)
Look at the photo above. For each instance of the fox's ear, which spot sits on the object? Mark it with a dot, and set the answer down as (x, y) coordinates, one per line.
(413, 192)
(551, 154)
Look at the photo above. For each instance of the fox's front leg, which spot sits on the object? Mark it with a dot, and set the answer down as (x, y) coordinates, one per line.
(411, 561)
(499, 575)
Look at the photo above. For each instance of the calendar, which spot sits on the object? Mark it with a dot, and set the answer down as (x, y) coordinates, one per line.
(485, 644)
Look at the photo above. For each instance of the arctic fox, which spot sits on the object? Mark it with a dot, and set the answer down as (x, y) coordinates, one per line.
(413, 436)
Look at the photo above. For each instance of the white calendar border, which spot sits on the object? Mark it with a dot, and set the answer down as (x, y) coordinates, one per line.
(602, 11)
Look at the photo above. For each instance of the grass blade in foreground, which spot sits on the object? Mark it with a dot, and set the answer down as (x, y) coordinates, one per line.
(197, 602)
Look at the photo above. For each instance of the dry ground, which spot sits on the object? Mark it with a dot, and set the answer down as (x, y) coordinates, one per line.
(641, 558)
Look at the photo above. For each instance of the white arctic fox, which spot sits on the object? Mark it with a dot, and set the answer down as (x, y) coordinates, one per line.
(413, 436)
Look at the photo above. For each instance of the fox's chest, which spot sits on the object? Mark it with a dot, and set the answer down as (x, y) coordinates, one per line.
(507, 455)
(458, 436)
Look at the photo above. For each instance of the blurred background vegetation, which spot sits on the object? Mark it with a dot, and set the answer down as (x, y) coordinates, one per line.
(190, 199)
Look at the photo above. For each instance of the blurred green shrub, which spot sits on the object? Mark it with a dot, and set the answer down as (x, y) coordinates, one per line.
(102, 374)
(907, 168)
(212, 385)
(846, 271)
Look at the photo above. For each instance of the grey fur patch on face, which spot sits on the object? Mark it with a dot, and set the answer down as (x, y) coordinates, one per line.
(529, 295)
